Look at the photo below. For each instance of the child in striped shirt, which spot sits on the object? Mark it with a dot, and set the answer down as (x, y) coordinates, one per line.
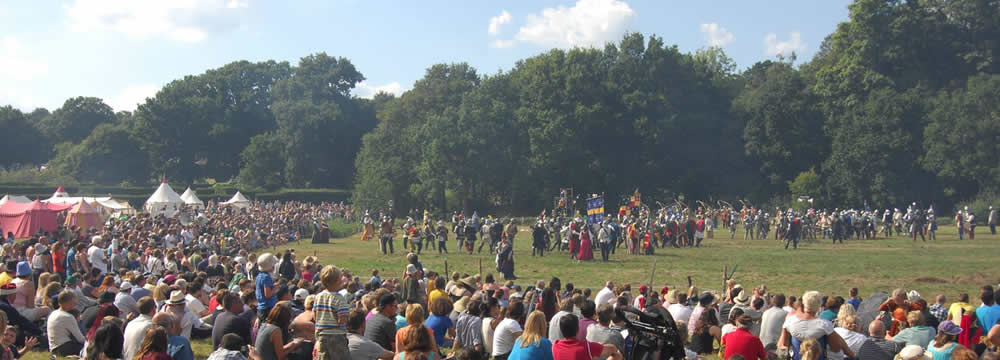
(331, 311)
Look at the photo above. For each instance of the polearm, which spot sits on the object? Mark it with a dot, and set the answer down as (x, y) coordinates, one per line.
(652, 272)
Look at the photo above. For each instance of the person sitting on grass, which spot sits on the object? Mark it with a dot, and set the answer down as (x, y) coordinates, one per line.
(65, 337)
(569, 348)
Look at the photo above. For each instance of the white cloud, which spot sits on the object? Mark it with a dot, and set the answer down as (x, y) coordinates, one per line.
(503, 44)
(716, 34)
(774, 47)
(133, 95)
(17, 69)
(587, 23)
(179, 20)
(366, 91)
(498, 20)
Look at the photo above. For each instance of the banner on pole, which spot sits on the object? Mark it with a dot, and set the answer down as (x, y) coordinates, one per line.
(595, 210)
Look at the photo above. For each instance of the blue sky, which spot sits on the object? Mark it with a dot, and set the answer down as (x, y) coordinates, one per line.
(124, 50)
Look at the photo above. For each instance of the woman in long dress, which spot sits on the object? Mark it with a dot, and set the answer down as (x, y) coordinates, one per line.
(586, 246)
(574, 239)
(505, 260)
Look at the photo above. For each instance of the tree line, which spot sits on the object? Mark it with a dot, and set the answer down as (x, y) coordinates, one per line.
(899, 104)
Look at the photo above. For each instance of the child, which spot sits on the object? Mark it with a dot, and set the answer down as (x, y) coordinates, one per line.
(331, 311)
(375, 281)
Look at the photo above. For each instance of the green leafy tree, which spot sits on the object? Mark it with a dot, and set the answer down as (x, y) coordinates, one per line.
(106, 156)
(320, 121)
(783, 125)
(262, 162)
(23, 143)
(75, 120)
(961, 137)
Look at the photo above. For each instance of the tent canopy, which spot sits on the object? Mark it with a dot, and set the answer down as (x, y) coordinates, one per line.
(238, 200)
(164, 201)
(14, 198)
(84, 216)
(25, 219)
(60, 192)
(62, 197)
(191, 199)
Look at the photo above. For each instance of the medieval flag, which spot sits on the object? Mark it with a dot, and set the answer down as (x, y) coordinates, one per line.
(595, 210)
(636, 199)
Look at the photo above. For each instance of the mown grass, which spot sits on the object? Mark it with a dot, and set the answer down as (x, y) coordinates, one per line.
(947, 266)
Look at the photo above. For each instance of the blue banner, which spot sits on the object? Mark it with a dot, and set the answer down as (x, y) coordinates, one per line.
(595, 210)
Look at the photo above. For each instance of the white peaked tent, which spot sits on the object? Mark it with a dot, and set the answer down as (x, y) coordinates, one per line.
(238, 201)
(62, 197)
(164, 201)
(14, 198)
(191, 199)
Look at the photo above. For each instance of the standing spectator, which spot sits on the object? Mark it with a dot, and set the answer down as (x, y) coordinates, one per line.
(264, 285)
(602, 331)
(331, 311)
(532, 344)
(97, 257)
(65, 337)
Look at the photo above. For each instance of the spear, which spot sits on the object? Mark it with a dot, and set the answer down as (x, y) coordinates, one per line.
(652, 272)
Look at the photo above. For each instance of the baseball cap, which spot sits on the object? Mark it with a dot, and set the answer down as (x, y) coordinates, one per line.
(301, 294)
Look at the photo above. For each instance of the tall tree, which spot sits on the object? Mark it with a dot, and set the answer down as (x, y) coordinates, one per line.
(23, 143)
(75, 120)
(106, 156)
(320, 121)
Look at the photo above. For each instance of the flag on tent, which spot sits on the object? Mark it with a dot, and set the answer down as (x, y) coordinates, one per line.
(595, 210)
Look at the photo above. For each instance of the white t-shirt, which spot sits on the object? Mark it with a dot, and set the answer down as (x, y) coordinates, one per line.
(504, 336)
(97, 259)
(488, 334)
(680, 312)
(605, 296)
(554, 332)
(194, 305)
(170, 241)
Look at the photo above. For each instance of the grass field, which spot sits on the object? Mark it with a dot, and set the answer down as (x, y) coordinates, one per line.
(946, 266)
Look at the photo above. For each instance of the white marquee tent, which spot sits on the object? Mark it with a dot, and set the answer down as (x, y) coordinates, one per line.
(238, 201)
(164, 201)
(14, 198)
(62, 197)
(191, 199)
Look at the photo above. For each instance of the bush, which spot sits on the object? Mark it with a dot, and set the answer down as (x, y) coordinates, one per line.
(340, 229)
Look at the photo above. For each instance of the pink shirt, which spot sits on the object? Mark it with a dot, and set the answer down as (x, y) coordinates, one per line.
(22, 293)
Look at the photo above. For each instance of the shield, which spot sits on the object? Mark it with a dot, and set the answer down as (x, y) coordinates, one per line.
(868, 310)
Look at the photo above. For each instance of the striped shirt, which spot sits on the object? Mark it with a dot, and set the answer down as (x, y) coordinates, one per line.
(328, 307)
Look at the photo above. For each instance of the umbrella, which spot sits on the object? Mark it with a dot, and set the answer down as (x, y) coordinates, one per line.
(868, 310)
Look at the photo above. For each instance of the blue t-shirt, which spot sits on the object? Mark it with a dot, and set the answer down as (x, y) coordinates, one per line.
(440, 325)
(400, 322)
(263, 281)
(179, 348)
(855, 302)
(539, 351)
(987, 316)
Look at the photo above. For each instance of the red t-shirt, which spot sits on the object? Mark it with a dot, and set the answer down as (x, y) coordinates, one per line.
(744, 343)
(573, 349)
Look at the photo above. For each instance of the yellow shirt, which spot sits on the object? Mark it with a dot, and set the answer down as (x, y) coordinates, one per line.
(955, 312)
(436, 293)
(5, 279)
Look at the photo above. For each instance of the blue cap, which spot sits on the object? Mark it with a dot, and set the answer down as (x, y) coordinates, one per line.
(23, 269)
